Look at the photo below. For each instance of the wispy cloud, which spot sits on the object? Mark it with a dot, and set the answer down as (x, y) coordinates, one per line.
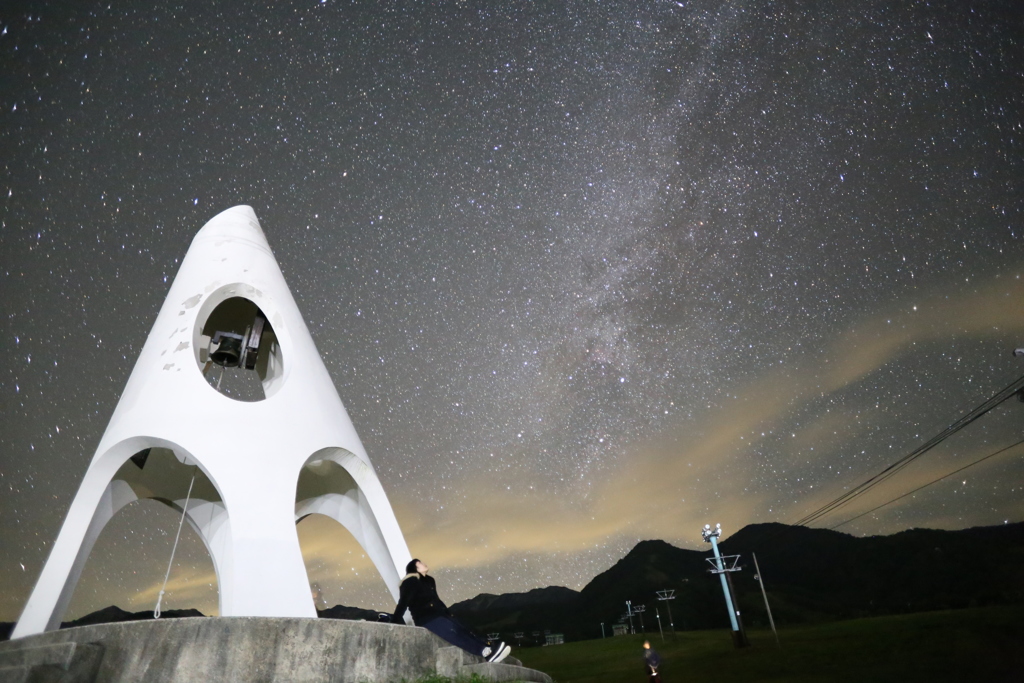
(709, 471)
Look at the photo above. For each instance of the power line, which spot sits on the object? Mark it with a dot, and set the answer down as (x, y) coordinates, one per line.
(934, 481)
(892, 469)
(1000, 396)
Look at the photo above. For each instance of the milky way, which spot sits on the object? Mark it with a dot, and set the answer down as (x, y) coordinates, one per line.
(583, 273)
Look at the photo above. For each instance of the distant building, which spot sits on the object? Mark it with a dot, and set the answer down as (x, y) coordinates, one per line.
(620, 630)
(554, 639)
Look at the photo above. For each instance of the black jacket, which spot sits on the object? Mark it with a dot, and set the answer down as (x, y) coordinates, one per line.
(418, 594)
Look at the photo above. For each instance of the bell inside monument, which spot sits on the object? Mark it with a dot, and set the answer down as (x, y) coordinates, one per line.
(238, 339)
(226, 349)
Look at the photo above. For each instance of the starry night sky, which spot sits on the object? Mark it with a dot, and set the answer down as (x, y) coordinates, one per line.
(583, 273)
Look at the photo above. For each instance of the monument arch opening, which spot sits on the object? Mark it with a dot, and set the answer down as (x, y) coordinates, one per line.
(161, 486)
(328, 496)
(126, 566)
(338, 568)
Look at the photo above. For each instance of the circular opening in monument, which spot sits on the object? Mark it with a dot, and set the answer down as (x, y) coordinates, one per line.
(239, 354)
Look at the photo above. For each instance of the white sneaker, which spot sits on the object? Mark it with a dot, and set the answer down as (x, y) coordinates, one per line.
(500, 652)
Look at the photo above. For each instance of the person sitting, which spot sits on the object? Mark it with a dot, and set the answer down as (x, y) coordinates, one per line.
(418, 594)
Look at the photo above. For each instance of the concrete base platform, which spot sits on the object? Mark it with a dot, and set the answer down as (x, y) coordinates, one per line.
(244, 649)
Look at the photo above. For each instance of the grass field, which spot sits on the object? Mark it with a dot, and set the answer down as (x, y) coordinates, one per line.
(985, 644)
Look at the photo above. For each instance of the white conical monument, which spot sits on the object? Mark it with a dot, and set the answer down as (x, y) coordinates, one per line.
(244, 471)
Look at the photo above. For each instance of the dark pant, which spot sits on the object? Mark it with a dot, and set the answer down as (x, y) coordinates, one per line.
(456, 634)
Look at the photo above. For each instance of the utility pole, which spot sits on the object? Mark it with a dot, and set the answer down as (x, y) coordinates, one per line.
(739, 638)
(602, 629)
(732, 593)
(639, 610)
(629, 614)
(667, 595)
(660, 630)
(760, 580)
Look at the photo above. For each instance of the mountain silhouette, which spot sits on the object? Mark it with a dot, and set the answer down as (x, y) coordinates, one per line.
(809, 575)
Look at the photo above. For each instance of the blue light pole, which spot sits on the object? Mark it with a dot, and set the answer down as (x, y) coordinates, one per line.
(711, 535)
